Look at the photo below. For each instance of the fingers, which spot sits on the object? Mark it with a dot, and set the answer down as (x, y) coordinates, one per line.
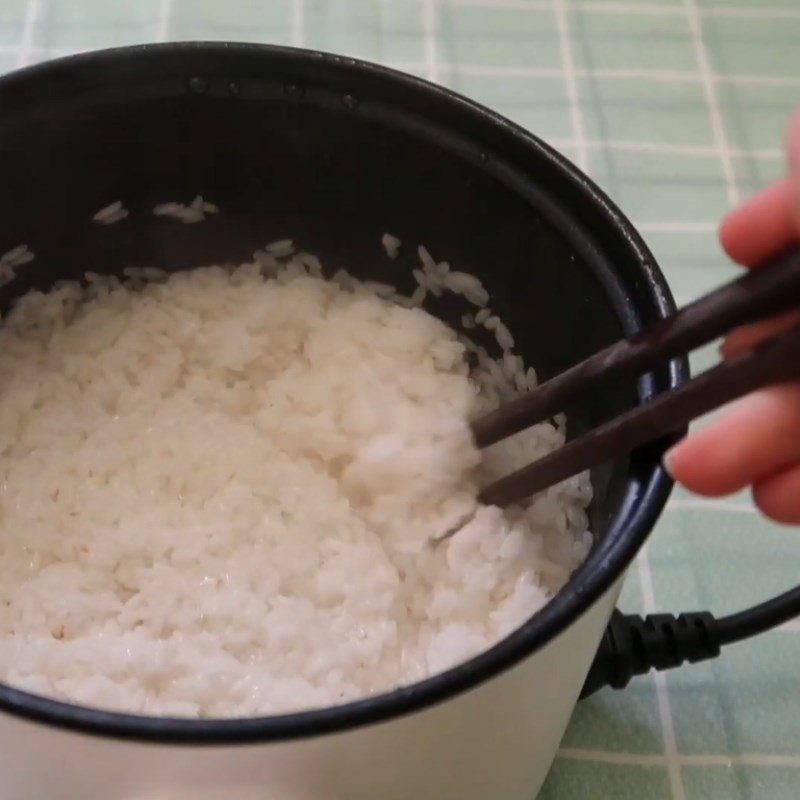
(765, 225)
(770, 222)
(757, 442)
(758, 437)
(779, 496)
(746, 338)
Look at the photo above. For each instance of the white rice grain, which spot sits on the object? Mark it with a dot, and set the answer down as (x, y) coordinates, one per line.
(418, 296)
(168, 209)
(384, 290)
(17, 256)
(428, 264)
(188, 214)
(7, 273)
(460, 282)
(391, 244)
(344, 279)
(280, 248)
(113, 212)
(312, 264)
(478, 296)
(269, 265)
(421, 277)
(503, 335)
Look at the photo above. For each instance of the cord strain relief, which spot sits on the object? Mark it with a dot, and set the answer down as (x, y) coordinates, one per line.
(633, 645)
(663, 641)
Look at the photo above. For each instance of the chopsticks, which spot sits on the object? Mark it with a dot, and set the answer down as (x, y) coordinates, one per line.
(764, 292)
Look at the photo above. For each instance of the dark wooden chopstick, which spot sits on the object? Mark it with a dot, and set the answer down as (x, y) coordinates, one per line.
(775, 361)
(761, 293)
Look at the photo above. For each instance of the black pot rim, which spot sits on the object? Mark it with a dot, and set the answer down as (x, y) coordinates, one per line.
(626, 535)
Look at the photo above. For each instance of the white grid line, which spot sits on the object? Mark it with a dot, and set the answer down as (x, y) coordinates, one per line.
(662, 693)
(164, 20)
(618, 74)
(571, 84)
(626, 9)
(696, 760)
(25, 51)
(666, 226)
(777, 81)
(750, 12)
(689, 150)
(770, 13)
(715, 116)
(711, 504)
(638, 75)
(660, 10)
(429, 32)
(554, 73)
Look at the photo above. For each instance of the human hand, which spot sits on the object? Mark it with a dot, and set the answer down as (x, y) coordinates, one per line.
(757, 442)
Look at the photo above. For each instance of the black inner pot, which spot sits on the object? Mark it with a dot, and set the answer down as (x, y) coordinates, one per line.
(333, 153)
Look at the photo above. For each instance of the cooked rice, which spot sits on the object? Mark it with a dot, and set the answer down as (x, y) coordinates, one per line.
(460, 282)
(311, 264)
(196, 211)
(10, 260)
(428, 264)
(17, 256)
(421, 278)
(391, 244)
(113, 212)
(7, 273)
(219, 486)
(283, 247)
(503, 335)
(204, 205)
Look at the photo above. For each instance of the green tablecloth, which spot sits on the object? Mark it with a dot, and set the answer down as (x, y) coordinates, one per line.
(676, 107)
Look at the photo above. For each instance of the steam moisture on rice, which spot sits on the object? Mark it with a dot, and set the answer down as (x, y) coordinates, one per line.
(218, 491)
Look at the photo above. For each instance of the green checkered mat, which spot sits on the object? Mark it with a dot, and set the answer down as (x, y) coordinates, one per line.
(676, 107)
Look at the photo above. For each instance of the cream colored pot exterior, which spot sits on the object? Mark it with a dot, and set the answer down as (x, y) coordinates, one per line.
(495, 742)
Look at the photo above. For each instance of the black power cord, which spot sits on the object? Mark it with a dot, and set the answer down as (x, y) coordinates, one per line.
(633, 645)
